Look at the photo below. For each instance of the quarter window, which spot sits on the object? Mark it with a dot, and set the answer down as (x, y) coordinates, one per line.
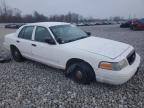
(26, 33)
(41, 34)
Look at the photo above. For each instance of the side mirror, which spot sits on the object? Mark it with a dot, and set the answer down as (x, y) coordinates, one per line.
(59, 40)
(88, 33)
(50, 41)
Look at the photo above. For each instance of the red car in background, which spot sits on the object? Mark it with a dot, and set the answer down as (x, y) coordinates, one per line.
(137, 24)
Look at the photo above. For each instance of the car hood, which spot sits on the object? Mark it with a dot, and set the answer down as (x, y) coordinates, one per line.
(101, 46)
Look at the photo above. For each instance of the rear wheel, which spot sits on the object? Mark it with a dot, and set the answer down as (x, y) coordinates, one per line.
(80, 72)
(16, 54)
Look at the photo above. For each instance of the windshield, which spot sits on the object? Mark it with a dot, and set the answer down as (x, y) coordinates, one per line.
(67, 33)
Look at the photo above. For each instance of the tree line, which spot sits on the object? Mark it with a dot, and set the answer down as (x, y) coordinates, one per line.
(14, 15)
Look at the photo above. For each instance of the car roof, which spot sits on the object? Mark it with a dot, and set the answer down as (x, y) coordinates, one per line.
(47, 24)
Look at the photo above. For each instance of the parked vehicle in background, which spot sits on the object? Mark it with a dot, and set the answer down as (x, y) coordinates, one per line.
(84, 58)
(137, 24)
(14, 26)
(126, 24)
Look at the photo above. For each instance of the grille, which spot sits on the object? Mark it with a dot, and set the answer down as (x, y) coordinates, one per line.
(131, 57)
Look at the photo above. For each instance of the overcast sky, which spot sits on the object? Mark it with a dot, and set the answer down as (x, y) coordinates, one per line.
(87, 8)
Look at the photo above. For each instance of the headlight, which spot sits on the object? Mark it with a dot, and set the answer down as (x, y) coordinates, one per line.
(116, 66)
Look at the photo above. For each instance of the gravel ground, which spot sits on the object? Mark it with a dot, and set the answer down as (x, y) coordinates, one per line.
(33, 85)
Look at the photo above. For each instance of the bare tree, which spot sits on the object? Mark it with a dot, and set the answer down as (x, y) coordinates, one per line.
(5, 12)
(39, 17)
(4, 7)
(8, 14)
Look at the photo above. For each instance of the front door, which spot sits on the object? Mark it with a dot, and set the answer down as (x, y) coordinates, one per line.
(43, 51)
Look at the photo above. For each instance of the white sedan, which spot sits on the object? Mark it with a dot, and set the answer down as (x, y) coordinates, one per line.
(84, 58)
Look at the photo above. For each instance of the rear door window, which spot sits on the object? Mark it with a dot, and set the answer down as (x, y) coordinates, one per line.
(26, 33)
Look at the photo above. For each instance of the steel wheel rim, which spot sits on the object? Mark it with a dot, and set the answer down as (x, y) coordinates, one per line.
(16, 54)
(78, 75)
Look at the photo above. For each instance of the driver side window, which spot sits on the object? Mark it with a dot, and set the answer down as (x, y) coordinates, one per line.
(41, 34)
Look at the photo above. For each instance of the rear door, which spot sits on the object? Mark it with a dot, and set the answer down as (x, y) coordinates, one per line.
(24, 41)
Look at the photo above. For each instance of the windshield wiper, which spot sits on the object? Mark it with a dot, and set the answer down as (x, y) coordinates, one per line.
(76, 39)
(70, 40)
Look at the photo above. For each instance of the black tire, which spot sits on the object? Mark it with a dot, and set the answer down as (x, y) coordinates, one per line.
(16, 54)
(133, 27)
(80, 72)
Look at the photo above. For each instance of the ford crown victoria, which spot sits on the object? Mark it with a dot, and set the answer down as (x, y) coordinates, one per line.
(84, 58)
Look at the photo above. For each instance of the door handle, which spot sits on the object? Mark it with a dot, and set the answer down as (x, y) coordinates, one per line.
(34, 45)
(17, 41)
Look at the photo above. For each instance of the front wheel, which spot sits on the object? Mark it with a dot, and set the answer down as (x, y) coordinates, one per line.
(16, 54)
(81, 73)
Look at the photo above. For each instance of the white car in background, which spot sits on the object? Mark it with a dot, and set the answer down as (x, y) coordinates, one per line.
(84, 58)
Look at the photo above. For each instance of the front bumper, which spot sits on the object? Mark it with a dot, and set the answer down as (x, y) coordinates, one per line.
(118, 77)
